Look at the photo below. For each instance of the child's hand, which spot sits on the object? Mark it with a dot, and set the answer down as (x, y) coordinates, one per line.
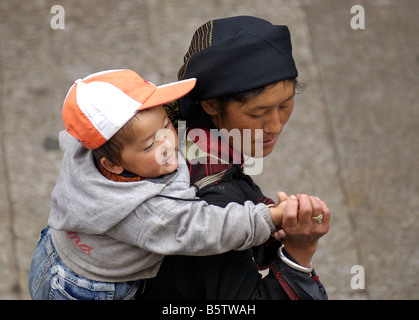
(277, 211)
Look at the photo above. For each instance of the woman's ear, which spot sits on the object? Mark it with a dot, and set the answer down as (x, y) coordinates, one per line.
(111, 166)
(211, 107)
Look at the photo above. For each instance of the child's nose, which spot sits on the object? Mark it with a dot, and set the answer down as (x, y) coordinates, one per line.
(167, 145)
(166, 142)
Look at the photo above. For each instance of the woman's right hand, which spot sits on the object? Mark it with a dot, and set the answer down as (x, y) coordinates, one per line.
(302, 232)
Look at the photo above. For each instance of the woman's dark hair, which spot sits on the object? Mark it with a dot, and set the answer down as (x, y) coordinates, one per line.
(242, 97)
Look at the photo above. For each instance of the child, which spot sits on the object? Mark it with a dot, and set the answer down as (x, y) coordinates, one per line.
(123, 200)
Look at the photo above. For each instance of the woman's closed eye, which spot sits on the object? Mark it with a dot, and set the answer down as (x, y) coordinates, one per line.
(256, 116)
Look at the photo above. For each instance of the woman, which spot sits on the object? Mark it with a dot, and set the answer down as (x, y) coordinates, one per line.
(246, 80)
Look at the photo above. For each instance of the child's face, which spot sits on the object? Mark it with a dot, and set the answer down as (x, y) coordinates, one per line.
(153, 151)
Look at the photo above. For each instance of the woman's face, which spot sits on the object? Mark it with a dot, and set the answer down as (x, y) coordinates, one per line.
(268, 111)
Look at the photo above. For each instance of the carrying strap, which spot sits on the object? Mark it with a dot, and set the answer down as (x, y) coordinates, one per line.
(209, 180)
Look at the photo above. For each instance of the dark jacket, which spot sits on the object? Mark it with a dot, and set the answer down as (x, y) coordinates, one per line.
(232, 275)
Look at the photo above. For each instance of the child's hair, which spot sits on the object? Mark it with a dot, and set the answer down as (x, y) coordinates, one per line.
(111, 150)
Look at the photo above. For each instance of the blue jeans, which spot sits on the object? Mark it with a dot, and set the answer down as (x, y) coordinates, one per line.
(51, 279)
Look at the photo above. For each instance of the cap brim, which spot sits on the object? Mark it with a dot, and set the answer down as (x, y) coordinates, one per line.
(169, 92)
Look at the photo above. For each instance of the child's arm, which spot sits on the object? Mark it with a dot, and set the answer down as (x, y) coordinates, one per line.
(169, 227)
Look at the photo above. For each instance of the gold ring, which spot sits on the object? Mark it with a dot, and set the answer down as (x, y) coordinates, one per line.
(319, 218)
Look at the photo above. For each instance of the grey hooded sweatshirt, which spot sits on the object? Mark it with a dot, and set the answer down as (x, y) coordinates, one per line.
(120, 231)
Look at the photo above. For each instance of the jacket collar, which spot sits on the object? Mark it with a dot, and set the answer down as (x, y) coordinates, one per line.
(123, 177)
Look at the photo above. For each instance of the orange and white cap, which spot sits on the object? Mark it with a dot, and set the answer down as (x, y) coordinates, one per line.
(97, 106)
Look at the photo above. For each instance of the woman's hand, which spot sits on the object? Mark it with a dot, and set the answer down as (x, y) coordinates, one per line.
(300, 232)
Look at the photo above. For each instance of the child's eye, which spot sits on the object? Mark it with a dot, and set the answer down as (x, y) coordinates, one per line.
(149, 147)
(167, 125)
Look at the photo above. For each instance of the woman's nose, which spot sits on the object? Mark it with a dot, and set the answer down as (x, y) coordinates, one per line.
(273, 122)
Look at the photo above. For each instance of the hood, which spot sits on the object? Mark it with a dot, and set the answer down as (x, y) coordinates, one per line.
(83, 200)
